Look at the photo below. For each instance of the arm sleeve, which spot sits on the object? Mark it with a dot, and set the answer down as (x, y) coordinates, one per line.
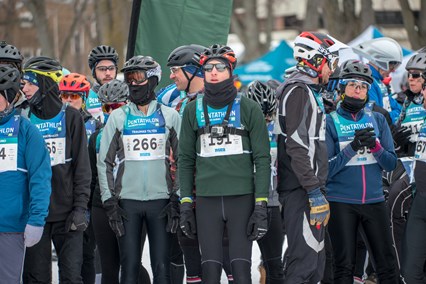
(337, 159)
(298, 110)
(39, 175)
(107, 156)
(187, 151)
(259, 140)
(80, 160)
(386, 156)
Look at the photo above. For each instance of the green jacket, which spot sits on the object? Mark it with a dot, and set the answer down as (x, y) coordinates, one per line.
(226, 175)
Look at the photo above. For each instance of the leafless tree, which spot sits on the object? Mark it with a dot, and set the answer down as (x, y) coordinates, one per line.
(416, 28)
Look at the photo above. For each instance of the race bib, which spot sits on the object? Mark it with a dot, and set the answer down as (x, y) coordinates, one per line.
(223, 146)
(144, 147)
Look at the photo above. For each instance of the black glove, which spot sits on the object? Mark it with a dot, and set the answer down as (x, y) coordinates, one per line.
(363, 138)
(116, 215)
(187, 220)
(171, 211)
(77, 220)
(401, 136)
(258, 223)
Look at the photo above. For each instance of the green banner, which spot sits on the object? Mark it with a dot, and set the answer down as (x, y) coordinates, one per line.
(166, 24)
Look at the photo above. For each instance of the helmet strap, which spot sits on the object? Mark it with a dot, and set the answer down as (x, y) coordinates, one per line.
(189, 80)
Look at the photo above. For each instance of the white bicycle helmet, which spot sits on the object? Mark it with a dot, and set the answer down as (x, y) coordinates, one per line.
(383, 52)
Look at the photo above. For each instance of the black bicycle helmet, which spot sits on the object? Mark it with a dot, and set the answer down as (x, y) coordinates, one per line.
(417, 62)
(143, 63)
(45, 66)
(355, 68)
(10, 82)
(102, 52)
(9, 53)
(263, 95)
(114, 91)
(219, 52)
(186, 55)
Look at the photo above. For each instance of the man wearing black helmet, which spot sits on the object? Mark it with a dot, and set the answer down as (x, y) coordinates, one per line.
(25, 174)
(223, 138)
(186, 72)
(134, 171)
(103, 61)
(64, 132)
(359, 147)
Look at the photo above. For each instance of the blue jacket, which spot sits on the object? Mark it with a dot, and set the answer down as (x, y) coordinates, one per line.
(358, 184)
(376, 94)
(25, 193)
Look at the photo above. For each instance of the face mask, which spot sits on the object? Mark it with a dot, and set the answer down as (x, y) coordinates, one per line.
(141, 94)
(36, 99)
(353, 105)
(220, 94)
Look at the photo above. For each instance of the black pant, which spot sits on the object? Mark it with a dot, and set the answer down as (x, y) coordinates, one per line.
(271, 247)
(399, 203)
(343, 228)
(177, 270)
(139, 212)
(88, 272)
(213, 214)
(414, 248)
(304, 259)
(69, 248)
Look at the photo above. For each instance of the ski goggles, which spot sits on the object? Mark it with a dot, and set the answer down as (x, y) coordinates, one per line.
(354, 83)
(135, 77)
(110, 107)
(220, 67)
(333, 62)
(73, 95)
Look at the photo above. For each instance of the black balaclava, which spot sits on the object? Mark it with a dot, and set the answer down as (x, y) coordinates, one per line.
(353, 105)
(219, 95)
(45, 103)
(143, 94)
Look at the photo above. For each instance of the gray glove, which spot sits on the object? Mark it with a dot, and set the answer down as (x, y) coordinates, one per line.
(32, 235)
(78, 220)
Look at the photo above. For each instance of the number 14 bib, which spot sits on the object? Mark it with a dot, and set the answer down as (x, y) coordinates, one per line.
(9, 145)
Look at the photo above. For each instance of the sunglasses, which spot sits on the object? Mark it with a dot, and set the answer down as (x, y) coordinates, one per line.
(106, 68)
(414, 75)
(220, 67)
(333, 63)
(175, 69)
(74, 96)
(110, 107)
(353, 84)
(135, 78)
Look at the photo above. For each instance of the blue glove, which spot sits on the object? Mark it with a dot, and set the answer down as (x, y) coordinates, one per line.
(32, 235)
(320, 209)
(187, 220)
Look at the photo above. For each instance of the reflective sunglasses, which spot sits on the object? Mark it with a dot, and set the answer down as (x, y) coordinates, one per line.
(110, 107)
(354, 83)
(73, 95)
(135, 77)
(106, 68)
(220, 67)
(333, 63)
(414, 75)
(175, 69)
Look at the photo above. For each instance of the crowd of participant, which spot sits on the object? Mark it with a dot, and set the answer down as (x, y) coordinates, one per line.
(330, 159)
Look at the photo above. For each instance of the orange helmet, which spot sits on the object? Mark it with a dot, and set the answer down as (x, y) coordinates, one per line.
(219, 52)
(75, 82)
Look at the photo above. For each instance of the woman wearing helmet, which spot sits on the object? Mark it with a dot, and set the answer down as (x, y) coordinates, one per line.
(137, 139)
(64, 132)
(25, 174)
(413, 248)
(221, 153)
(360, 147)
(271, 244)
(385, 56)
